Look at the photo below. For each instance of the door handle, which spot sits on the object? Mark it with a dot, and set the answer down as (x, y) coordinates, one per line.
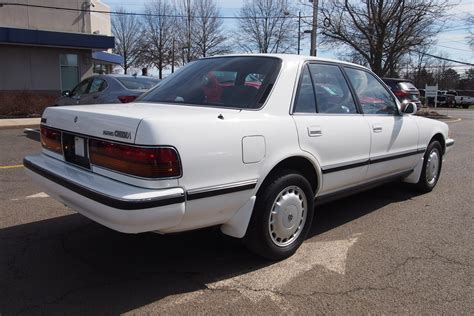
(377, 128)
(95, 96)
(315, 131)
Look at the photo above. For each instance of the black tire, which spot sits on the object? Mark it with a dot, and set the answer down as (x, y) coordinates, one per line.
(424, 184)
(258, 238)
(465, 106)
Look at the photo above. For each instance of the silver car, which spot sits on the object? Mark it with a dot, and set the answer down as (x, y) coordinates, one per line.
(107, 89)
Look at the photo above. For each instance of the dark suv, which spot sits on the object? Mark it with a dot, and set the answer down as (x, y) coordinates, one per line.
(404, 90)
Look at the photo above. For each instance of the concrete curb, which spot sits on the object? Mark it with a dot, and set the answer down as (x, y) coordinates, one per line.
(19, 123)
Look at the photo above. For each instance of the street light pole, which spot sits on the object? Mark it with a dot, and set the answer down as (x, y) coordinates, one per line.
(313, 50)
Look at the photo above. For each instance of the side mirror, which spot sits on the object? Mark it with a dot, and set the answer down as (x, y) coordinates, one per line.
(410, 108)
(66, 93)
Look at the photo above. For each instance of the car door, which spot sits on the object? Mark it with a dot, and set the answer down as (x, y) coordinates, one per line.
(394, 136)
(331, 127)
(94, 92)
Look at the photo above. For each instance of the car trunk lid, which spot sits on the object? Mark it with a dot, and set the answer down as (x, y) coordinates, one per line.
(117, 122)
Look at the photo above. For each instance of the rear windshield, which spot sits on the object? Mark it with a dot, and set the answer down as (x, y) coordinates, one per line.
(137, 83)
(407, 86)
(232, 82)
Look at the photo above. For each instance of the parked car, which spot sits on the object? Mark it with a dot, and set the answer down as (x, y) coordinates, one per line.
(404, 90)
(253, 159)
(107, 89)
(461, 100)
(446, 99)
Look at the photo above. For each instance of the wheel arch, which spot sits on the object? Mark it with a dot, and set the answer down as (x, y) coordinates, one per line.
(440, 138)
(302, 164)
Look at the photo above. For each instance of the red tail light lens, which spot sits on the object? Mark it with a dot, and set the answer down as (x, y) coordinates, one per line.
(51, 139)
(401, 93)
(145, 162)
(127, 98)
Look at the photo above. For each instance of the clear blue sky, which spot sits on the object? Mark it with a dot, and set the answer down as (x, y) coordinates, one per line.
(452, 43)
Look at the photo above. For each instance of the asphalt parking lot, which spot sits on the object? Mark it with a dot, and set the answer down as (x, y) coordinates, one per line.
(388, 250)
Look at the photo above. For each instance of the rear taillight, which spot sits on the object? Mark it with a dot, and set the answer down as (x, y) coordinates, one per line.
(145, 162)
(401, 93)
(127, 98)
(51, 139)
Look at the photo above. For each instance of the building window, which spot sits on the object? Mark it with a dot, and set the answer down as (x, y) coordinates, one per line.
(69, 71)
(102, 69)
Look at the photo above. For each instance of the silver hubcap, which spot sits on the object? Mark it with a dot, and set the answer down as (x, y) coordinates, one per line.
(432, 167)
(288, 216)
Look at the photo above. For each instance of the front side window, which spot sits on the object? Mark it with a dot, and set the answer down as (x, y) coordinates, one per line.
(373, 96)
(97, 85)
(81, 88)
(332, 92)
(232, 82)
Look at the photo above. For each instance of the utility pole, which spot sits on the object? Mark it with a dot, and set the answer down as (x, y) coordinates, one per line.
(314, 33)
(172, 58)
(299, 32)
(189, 31)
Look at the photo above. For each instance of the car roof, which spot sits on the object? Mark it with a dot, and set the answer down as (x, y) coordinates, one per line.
(117, 76)
(291, 57)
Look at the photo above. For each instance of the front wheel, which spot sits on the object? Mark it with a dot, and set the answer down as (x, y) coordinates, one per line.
(281, 217)
(431, 167)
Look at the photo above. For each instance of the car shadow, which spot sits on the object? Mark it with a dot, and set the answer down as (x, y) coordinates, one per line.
(32, 133)
(72, 264)
(337, 213)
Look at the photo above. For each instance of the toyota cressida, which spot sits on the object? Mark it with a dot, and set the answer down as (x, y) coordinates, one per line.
(246, 142)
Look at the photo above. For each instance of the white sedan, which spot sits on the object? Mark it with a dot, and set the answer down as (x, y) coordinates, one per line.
(247, 142)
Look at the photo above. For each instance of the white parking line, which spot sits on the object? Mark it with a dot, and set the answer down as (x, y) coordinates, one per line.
(33, 196)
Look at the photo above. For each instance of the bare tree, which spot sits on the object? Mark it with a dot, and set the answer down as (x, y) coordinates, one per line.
(265, 27)
(470, 37)
(160, 24)
(208, 34)
(421, 63)
(127, 31)
(184, 32)
(382, 31)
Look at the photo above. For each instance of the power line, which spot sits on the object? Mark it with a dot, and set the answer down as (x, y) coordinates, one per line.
(460, 49)
(456, 29)
(289, 16)
(443, 58)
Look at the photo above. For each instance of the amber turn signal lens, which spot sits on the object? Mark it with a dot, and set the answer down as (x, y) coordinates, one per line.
(51, 139)
(145, 162)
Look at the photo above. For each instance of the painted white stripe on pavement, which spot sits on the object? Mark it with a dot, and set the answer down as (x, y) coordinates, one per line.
(33, 196)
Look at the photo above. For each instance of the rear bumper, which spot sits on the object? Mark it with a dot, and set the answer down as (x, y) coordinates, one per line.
(117, 205)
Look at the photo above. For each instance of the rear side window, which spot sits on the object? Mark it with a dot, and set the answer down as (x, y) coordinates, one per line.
(373, 96)
(231, 82)
(305, 102)
(332, 92)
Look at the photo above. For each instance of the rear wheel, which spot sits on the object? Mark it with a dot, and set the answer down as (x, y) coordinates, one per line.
(431, 167)
(282, 216)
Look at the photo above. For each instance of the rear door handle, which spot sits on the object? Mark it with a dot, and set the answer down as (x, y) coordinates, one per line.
(377, 128)
(315, 131)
